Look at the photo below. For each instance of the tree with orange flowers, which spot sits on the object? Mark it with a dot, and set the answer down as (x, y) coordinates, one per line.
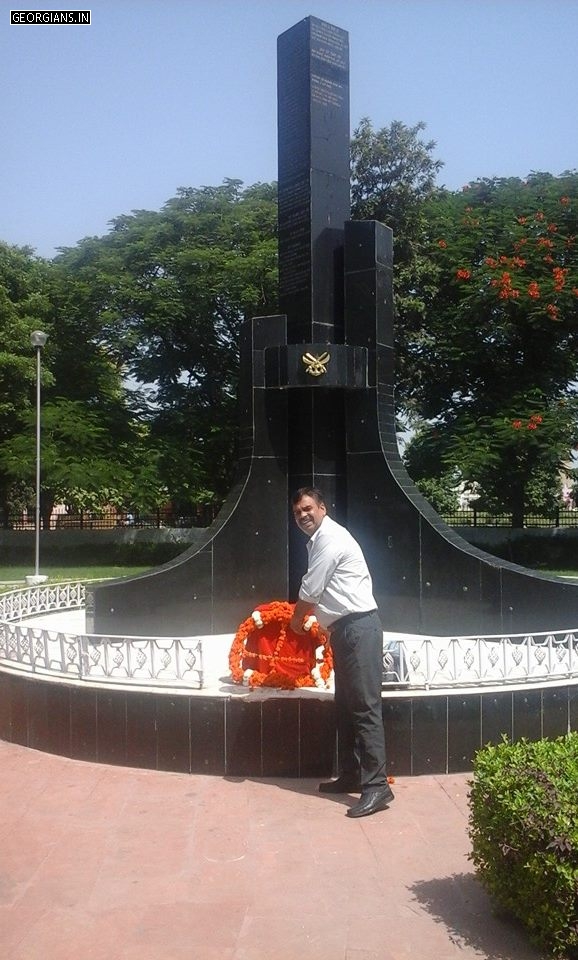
(499, 350)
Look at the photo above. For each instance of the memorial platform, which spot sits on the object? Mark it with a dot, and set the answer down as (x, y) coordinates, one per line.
(168, 704)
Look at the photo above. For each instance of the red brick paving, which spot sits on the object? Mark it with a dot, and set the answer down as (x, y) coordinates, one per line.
(104, 863)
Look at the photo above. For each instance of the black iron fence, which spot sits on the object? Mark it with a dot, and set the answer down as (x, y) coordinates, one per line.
(199, 516)
(561, 517)
(203, 515)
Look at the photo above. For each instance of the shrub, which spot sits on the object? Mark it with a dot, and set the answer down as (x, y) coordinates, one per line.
(130, 553)
(524, 831)
(539, 552)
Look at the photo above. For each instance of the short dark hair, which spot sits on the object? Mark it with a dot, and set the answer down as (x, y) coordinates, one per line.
(314, 492)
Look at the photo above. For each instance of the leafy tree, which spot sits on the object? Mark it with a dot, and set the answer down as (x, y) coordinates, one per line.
(169, 291)
(89, 432)
(441, 492)
(84, 465)
(393, 175)
(25, 305)
(498, 359)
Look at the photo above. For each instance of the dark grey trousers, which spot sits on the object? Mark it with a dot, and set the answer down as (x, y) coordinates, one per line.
(357, 656)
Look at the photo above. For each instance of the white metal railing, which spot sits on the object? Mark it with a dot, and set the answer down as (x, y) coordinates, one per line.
(16, 604)
(410, 661)
(174, 661)
(436, 662)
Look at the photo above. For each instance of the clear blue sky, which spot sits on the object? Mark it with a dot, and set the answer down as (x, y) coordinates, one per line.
(156, 94)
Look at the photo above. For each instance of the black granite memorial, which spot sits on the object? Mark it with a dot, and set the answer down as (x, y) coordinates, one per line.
(316, 403)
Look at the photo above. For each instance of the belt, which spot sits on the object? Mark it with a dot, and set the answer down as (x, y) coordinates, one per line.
(350, 618)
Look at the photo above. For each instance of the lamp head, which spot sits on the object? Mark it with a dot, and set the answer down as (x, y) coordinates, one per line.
(38, 338)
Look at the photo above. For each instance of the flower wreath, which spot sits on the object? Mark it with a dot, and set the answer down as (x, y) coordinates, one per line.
(266, 652)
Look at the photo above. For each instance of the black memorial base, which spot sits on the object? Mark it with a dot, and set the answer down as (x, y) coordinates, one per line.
(273, 736)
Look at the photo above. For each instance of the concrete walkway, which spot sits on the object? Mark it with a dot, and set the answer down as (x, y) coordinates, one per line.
(105, 863)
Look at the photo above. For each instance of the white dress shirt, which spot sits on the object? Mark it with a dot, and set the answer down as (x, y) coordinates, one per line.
(337, 581)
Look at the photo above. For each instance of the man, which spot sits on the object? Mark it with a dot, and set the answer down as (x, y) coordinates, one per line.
(337, 588)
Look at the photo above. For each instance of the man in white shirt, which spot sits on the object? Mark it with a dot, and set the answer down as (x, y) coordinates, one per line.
(337, 588)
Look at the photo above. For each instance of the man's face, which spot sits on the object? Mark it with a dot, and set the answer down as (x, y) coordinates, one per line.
(308, 514)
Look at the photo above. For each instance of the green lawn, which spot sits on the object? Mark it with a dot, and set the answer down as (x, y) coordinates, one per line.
(561, 573)
(56, 574)
(13, 576)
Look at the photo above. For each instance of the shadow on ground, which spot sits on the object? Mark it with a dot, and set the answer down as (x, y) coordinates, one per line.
(460, 903)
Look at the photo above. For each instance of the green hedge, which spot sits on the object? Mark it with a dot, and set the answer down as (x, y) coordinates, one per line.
(539, 552)
(524, 831)
(139, 552)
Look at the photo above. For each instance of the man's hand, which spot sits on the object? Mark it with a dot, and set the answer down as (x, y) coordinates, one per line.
(302, 610)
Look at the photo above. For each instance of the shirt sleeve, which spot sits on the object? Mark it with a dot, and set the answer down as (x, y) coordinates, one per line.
(323, 561)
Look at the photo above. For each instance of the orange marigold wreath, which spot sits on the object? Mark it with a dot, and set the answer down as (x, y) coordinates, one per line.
(266, 652)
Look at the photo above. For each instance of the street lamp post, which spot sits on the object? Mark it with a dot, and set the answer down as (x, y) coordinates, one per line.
(37, 339)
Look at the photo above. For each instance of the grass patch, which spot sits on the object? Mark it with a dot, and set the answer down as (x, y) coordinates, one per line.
(561, 573)
(77, 571)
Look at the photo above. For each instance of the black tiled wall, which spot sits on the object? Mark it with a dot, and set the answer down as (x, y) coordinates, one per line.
(284, 736)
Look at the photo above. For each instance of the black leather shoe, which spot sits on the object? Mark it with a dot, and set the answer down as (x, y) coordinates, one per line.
(371, 801)
(341, 785)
